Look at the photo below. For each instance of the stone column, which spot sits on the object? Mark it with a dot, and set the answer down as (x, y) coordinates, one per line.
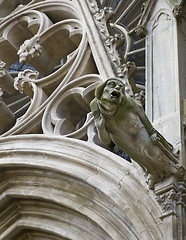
(166, 74)
(165, 102)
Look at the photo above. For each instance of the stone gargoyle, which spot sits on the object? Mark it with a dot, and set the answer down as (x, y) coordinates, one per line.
(121, 120)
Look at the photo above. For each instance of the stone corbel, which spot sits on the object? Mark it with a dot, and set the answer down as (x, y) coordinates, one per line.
(167, 196)
(6, 80)
(171, 193)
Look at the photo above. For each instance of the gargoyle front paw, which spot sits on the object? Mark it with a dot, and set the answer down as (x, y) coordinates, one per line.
(151, 179)
(154, 137)
(175, 152)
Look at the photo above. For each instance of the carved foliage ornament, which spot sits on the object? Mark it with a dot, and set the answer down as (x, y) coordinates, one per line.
(102, 17)
(23, 82)
(171, 196)
(29, 49)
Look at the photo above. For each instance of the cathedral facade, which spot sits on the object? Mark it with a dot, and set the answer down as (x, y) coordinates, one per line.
(70, 168)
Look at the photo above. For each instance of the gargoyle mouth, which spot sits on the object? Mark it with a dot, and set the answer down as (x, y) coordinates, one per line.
(115, 94)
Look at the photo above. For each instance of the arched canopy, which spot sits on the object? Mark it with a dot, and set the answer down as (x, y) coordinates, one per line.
(61, 188)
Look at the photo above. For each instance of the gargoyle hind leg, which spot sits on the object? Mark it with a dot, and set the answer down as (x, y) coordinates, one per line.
(148, 148)
(154, 178)
(158, 165)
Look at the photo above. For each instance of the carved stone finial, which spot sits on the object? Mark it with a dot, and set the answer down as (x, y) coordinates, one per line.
(29, 49)
(23, 82)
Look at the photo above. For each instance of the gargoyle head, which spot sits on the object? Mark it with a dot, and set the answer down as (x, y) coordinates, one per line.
(111, 91)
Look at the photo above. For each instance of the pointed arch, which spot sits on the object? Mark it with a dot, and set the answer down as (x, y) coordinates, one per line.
(72, 190)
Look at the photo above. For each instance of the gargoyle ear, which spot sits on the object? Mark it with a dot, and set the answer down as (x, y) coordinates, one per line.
(99, 89)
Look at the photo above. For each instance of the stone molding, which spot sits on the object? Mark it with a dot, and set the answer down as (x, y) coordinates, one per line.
(170, 194)
(89, 181)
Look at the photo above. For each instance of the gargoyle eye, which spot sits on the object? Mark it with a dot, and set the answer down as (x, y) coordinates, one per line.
(111, 84)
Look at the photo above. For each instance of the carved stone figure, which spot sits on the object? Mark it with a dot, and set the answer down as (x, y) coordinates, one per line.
(121, 120)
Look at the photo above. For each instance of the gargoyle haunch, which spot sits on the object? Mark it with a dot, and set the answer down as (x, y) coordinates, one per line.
(121, 120)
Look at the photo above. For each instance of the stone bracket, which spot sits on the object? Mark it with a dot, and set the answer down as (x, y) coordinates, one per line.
(170, 194)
